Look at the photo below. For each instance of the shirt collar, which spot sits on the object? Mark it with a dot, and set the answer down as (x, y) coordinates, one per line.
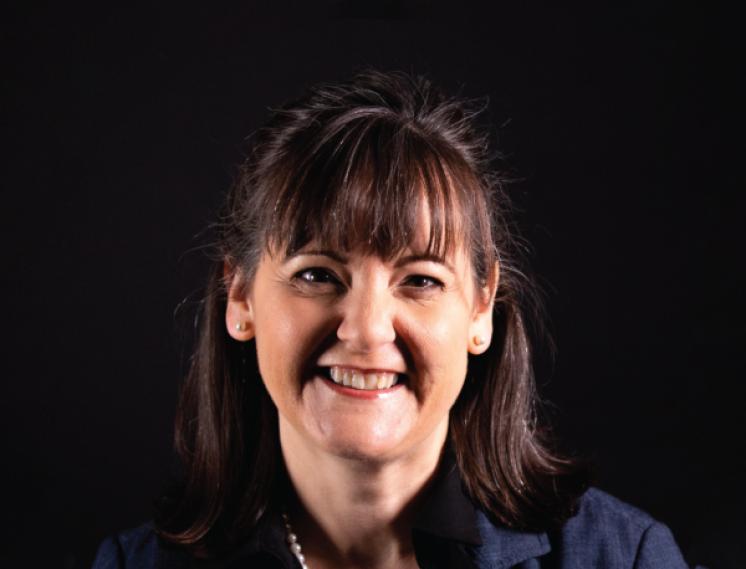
(449, 514)
(267, 541)
(446, 512)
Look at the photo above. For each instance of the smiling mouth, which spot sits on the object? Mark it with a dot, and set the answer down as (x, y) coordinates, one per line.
(363, 381)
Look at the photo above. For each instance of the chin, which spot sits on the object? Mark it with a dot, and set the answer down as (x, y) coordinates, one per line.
(363, 450)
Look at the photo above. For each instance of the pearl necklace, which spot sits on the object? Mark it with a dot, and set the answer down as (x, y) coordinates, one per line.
(293, 544)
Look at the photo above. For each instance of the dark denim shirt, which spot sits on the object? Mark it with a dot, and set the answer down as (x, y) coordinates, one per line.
(449, 532)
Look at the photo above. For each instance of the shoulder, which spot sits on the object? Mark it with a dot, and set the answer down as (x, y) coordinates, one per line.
(139, 548)
(604, 532)
(599, 510)
(607, 532)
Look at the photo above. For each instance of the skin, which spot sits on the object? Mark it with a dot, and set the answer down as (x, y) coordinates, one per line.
(359, 465)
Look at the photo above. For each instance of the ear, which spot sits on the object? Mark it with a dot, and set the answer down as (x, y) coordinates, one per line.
(239, 314)
(480, 329)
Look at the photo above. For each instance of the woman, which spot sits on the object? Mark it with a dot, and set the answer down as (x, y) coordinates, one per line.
(361, 392)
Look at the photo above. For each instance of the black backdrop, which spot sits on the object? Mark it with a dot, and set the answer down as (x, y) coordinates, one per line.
(122, 129)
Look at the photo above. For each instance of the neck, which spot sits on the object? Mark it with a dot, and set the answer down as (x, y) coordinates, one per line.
(357, 512)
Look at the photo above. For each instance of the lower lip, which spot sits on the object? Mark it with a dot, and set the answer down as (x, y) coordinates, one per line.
(369, 394)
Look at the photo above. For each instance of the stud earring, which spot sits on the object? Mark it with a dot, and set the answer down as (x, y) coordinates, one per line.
(241, 326)
(478, 340)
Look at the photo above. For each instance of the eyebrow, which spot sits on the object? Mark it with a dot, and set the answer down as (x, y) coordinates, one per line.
(321, 252)
(419, 257)
(400, 262)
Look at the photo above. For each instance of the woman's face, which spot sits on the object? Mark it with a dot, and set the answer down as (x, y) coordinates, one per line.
(323, 319)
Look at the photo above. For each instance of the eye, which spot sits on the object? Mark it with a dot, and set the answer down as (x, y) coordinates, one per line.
(316, 276)
(423, 282)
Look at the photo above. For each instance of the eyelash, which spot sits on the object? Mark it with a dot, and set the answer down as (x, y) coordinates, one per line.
(434, 283)
(328, 277)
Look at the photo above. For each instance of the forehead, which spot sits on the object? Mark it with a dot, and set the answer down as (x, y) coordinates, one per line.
(420, 240)
(376, 187)
(410, 230)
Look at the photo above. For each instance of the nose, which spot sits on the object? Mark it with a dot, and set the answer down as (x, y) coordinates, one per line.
(367, 318)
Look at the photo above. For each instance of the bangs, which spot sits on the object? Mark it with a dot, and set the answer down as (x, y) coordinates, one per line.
(367, 185)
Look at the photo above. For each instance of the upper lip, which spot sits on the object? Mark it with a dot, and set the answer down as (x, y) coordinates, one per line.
(365, 369)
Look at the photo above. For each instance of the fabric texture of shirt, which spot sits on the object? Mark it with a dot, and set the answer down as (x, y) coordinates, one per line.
(449, 532)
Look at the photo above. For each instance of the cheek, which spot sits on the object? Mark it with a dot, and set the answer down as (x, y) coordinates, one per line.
(447, 333)
(286, 338)
(441, 354)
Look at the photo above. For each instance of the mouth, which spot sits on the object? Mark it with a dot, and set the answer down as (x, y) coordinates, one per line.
(362, 380)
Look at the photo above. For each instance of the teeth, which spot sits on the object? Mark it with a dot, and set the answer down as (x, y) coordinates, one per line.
(359, 380)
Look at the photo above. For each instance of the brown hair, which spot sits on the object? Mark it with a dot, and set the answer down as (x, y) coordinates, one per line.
(349, 165)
